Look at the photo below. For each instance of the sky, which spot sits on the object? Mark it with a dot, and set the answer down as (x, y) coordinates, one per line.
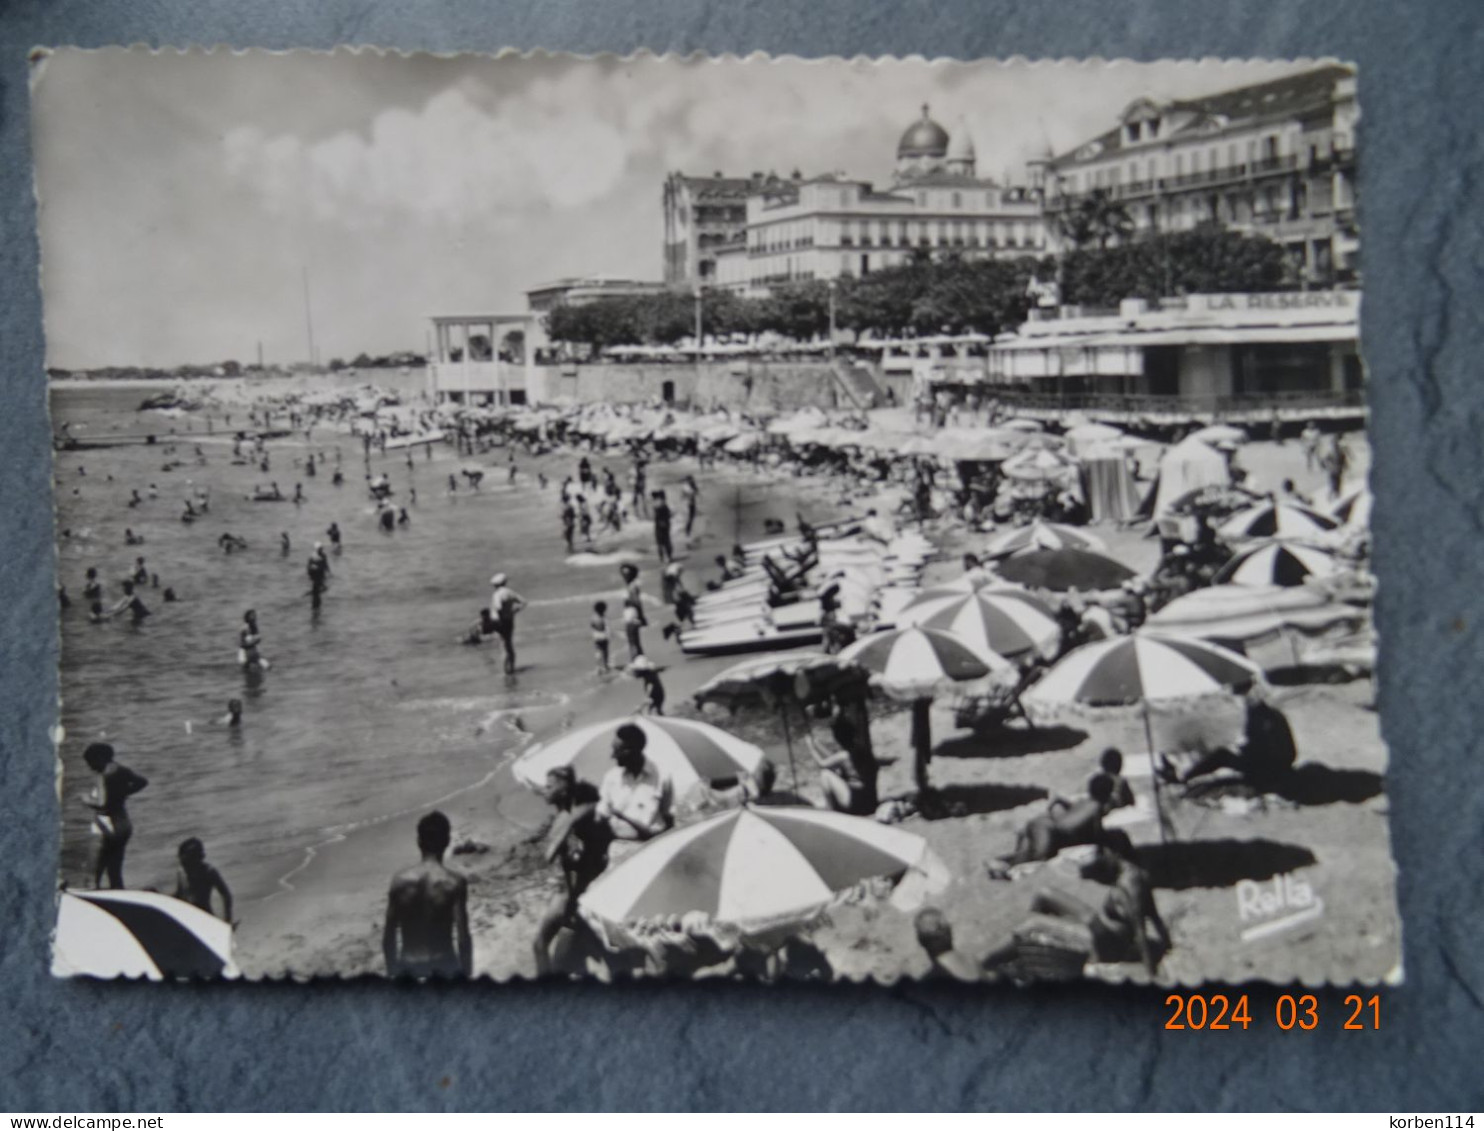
(185, 198)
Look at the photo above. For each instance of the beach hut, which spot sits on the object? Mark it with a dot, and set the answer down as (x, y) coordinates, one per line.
(1188, 466)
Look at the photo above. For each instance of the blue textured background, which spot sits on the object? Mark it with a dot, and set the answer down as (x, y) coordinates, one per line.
(74, 1047)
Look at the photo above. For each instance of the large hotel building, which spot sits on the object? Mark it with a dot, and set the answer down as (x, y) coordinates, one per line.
(1275, 159)
(748, 235)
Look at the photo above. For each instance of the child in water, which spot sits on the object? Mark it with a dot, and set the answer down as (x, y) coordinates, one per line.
(654, 691)
(599, 626)
(248, 640)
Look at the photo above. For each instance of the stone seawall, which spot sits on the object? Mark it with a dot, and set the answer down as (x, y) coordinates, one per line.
(750, 386)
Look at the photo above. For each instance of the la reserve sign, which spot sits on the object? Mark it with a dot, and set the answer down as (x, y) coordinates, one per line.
(1275, 300)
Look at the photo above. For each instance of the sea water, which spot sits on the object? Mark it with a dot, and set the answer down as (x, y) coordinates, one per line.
(371, 708)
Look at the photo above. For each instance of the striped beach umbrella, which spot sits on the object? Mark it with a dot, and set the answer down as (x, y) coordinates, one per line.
(139, 934)
(1354, 507)
(754, 869)
(997, 622)
(917, 663)
(1143, 668)
(1043, 536)
(1277, 520)
(1277, 563)
(687, 752)
(1221, 434)
(1061, 570)
(757, 679)
(1040, 465)
(1094, 433)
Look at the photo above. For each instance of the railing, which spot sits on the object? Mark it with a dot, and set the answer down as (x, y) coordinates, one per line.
(1222, 175)
(1275, 164)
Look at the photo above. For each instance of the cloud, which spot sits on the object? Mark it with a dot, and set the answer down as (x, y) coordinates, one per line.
(451, 163)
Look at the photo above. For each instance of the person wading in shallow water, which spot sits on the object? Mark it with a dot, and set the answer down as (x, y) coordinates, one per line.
(504, 604)
(111, 825)
(427, 912)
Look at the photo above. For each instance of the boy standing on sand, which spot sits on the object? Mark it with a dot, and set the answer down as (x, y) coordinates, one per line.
(653, 702)
(427, 912)
(196, 880)
(116, 783)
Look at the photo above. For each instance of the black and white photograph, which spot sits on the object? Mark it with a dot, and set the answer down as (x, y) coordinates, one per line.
(756, 518)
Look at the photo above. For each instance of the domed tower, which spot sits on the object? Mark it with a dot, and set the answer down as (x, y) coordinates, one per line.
(961, 158)
(922, 149)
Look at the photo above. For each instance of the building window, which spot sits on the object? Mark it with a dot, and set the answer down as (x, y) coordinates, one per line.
(958, 200)
(1179, 165)
(1231, 157)
(1133, 130)
(1153, 128)
(922, 200)
(1195, 162)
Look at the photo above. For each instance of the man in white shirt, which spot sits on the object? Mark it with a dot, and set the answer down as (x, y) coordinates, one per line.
(504, 604)
(635, 798)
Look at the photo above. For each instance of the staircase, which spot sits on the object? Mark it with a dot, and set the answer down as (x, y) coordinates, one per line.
(856, 385)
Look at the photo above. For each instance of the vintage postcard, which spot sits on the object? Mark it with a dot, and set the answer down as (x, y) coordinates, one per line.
(749, 518)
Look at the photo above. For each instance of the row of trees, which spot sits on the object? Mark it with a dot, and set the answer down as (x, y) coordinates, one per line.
(926, 296)
(1204, 260)
(944, 293)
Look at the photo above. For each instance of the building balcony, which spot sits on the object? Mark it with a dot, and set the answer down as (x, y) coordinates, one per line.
(1271, 165)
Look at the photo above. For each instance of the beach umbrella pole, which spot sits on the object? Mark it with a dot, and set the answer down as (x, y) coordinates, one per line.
(922, 741)
(1159, 809)
(788, 740)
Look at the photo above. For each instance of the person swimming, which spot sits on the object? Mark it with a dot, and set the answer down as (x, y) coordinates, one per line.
(130, 603)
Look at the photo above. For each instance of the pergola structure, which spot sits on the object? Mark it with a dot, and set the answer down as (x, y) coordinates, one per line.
(464, 362)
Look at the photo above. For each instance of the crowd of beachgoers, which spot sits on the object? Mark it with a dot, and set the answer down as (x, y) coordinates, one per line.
(957, 591)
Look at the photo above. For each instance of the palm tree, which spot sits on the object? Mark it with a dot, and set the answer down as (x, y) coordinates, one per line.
(1096, 217)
